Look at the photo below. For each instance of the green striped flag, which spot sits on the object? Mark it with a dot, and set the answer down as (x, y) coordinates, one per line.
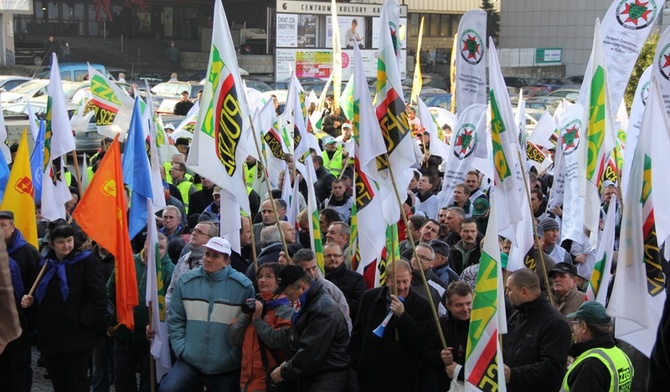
(483, 356)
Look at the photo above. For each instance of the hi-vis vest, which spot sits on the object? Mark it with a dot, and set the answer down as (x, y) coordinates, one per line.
(184, 188)
(334, 165)
(616, 361)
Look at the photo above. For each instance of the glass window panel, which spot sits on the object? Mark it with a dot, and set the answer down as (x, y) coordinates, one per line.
(52, 11)
(434, 25)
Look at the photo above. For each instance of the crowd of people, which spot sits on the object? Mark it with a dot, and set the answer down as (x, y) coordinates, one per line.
(267, 318)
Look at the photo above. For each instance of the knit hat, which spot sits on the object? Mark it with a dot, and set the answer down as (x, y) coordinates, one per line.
(549, 224)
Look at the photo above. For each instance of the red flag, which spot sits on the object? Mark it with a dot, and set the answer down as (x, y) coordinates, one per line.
(105, 201)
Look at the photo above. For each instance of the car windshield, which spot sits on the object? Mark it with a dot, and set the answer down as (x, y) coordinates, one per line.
(438, 100)
(173, 89)
(30, 87)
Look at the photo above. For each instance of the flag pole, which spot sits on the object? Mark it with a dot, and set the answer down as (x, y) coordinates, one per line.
(618, 178)
(267, 184)
(423, 275)
(152, 361)
(536, 238)
(77, 172)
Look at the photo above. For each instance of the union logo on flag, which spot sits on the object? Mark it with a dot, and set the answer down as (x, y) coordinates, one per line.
(472, 49)
(465, 141)
(636, 14)
(570, 137)
(24, 185)
(108, 188)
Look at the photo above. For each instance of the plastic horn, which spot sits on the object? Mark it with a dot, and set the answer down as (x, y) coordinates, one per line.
(379, 331)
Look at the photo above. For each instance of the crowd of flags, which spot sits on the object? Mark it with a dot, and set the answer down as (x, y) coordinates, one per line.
(231, 124)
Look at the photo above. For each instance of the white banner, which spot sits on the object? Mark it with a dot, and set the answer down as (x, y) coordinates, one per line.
(470, 61)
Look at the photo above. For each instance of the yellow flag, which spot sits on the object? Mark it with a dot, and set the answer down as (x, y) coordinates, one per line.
(417, 83)
(20, 192)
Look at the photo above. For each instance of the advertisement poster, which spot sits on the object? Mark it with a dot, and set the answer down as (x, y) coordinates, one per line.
(352, 30)
(307, 29)
(287, 30)
(318, 63)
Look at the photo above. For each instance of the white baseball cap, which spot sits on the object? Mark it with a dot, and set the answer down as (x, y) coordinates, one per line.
(218, 244)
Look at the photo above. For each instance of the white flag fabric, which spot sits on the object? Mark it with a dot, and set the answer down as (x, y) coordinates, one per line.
(638, 295)
(601, 275)
(155, 299)
(221, 138)
(625, 28)
(504, 137)
(470, 60)
(438, 146)
(570, 139)
(488, 318)
(390, 112)
(634, 124)
(3, 138)
(58, 133)
(545, 133)
(599, 135)
(371, 237)
(274, 145)
(113, 106)
(55, 192)
(468, 136)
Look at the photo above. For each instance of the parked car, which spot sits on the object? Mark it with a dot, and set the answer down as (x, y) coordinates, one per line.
(576, 79)
(438, 100)
(153, 78)
(29, 52)
(115, 71)
(554, 83)
(174, 89)
(75, 72)
(518, 82)
(85, 141)
(258, 85)
(551, 100)
(25, 91)
(8, 82)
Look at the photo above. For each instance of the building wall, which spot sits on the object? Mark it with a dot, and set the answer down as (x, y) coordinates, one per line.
(566, 24)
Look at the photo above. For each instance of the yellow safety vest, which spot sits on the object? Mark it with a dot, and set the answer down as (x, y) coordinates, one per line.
(617, 362)
(334, 165)
(184, 188)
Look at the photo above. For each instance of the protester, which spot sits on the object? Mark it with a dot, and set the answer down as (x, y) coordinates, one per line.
(259, 332)
(567, 297)
(538, 337)
(204, 304)
(402, 340)
(318, 354)
(599, 365)
(350, 282)
(70, 309)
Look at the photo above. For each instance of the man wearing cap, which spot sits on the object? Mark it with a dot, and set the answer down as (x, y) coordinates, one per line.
(318, 340)
(15, 368)
(480, 213)
(550, 241)
(204, 304)
(182, 144)
(567, 298)
(441, 266)
(537, 341)
(334, 156)
(213, 212)
(599, 365)
(182, 107)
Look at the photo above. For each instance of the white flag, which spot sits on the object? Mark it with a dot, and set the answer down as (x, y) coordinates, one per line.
(470, 60)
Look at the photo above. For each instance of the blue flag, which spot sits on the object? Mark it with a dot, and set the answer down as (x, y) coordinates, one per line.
(37, 161)
(136, 172)
(4, 175)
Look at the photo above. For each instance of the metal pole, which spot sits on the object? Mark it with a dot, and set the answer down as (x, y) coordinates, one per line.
(121, 43)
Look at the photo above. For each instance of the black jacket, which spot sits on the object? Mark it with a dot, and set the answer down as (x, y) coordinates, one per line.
(328, 127)
(390, 364)
(181, 108)
(536, 347)
(351, 284)
(26, 256)
(199, 200)
(324, 184)
(590, 374)
(438, 289)
(318, 340)
(456, 336)
(67, 326)
(460, 259)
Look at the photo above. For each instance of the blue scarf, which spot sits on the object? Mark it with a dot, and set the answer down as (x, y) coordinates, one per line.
(58, 267)
(18, 242)
(17, 282)
(303, 302)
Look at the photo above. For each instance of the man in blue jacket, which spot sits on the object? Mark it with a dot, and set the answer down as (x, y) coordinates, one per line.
(205, 302)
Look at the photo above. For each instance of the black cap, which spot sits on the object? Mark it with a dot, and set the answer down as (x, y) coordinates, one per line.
(440, 247)
(287, 275)
(182, 141)
(6, 214)
(564, 268)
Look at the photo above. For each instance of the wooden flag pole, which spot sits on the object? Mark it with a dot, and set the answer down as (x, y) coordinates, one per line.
(536, 238)
(416, 257)
(77, 173)
(152, 361)
(267, 184)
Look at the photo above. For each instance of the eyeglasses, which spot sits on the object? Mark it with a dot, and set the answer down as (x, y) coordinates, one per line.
(333, 256)
(425, 258)
(200, 232)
